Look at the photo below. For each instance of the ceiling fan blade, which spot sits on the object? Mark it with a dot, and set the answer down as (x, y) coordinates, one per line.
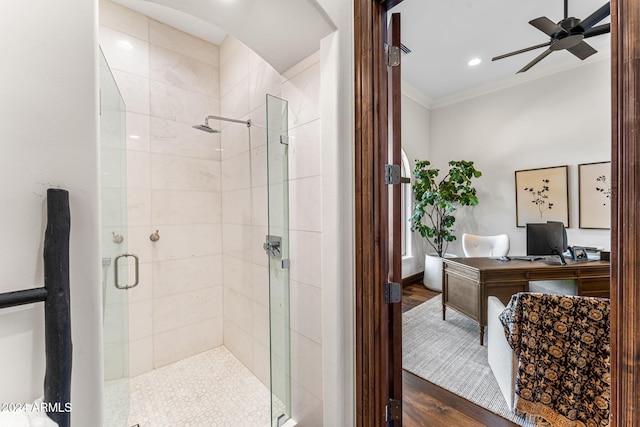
(582, 50)
(595, 17)
(535, 61)
(597, 31)
(506, 55)
(546, 25)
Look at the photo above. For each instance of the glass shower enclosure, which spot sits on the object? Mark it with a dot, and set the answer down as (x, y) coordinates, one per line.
(277, 248)
(115, 269)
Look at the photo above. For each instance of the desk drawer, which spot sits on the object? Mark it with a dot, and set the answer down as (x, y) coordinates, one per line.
(594, 287)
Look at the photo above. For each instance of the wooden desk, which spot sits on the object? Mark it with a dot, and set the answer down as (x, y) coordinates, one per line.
(468, 282)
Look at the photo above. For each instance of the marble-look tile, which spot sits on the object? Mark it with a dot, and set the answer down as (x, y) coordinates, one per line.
(236, 173)
(238, 275)
(123, 19)
(229, 46)
(259, 166)
(134, 90)
(139, 242)
(305, 154)
(140, 319)
(113, 209)
(260, 284)
(301, 66)
(183, 241)
(179, 276)
(305, 196)
(306, 311)
(181, 139)
(125, 52)
(261, 365)
(303, 94)
(306, 257)
(138, 206)
(306, 364)
(185, 44)
(261, 323)
(234, 139)
(140, 356)
(259, 206)
(138, 135)
(238, 309)
(236, 206)
(186, 308)
(258, 255)
(184, 72)
(236, 241)
(235, 103)
(176, 344)
(173, 103)
(306, 408)
(117, 368)
(211, 389)
(235, 66)
(239, 343)
(258, 126)
(183, 173)
(138, 170)
(144, 290)
(185, 207)
(263, 80)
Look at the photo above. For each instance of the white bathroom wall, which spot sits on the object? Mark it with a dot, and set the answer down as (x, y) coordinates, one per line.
(561, 119)
(416, 122)
(169, 81)
(49, 133)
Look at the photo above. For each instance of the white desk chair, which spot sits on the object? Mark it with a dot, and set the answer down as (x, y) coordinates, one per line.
(485, 246)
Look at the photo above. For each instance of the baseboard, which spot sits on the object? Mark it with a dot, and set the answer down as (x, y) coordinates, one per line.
(414, 278)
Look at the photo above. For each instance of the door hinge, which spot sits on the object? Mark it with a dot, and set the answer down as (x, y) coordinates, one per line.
(393, 410)
(392, 174)
(392, 293)
(393, 55)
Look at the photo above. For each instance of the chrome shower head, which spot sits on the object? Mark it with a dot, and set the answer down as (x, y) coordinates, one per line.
(206, 128)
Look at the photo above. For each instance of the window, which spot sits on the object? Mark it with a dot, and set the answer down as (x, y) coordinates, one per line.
(406, 203)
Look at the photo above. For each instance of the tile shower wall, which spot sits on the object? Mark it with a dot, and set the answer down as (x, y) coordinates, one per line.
(207, 196)
(169, 81)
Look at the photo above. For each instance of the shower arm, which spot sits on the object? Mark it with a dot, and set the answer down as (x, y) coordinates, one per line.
(246, 122)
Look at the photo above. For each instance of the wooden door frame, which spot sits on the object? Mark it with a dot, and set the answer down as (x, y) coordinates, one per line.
(370, 133)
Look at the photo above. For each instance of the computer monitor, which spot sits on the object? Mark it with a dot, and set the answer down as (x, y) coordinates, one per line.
(547, 239)
(565, 244)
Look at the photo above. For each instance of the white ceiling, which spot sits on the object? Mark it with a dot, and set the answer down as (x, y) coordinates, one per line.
(283, 32)
(442, 35)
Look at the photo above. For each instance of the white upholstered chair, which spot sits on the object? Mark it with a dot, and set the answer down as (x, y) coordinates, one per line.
(485, 246)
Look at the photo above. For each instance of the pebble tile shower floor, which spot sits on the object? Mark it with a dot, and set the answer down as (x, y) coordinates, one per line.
(210, 389)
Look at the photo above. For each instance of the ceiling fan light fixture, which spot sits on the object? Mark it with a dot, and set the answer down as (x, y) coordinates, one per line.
(474, 62)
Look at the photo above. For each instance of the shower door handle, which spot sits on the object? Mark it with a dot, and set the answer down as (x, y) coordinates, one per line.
(136, 271)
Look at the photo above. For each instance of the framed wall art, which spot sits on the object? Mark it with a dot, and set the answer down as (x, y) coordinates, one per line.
(594, 180)
(542, 195)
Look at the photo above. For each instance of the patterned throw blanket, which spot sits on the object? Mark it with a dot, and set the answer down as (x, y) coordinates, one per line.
(562, 347)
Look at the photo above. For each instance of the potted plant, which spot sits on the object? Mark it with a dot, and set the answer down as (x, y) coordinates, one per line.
(435, 204)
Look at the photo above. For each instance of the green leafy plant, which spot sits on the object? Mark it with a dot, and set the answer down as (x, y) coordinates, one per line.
(437, 200)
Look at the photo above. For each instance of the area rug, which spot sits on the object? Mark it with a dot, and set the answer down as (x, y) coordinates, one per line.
(448, 354)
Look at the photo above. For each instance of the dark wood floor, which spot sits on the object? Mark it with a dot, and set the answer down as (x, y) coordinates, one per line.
(426, 404)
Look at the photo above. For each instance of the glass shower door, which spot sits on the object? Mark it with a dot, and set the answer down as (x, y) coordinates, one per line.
(277, 248)
(113, 183)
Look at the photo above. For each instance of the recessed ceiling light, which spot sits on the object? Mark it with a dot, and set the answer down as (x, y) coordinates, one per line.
(134, 137)
(125, 44)
(474, 61)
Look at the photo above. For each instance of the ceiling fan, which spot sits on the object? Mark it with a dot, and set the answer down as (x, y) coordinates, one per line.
(567, 34)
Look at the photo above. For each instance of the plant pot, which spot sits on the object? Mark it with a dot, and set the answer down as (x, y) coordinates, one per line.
(433, 271)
